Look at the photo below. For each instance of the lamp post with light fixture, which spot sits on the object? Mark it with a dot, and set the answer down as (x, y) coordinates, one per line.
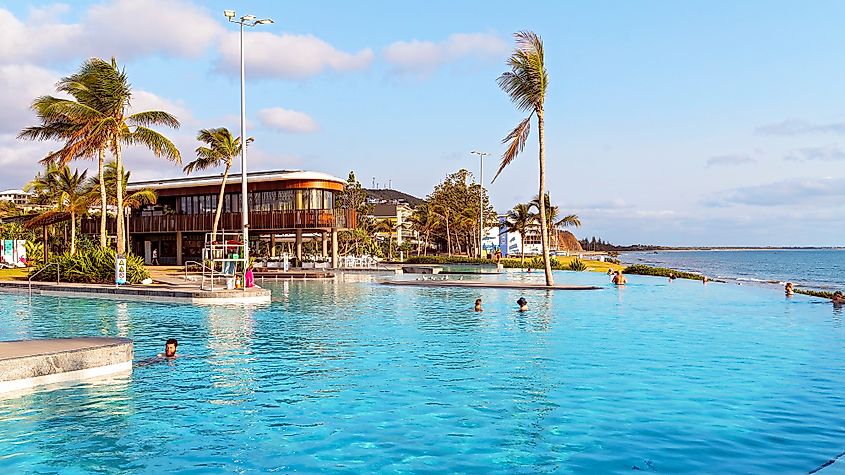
(480, 201)
(246, 20)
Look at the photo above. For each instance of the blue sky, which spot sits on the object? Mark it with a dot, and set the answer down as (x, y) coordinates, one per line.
(685, 123)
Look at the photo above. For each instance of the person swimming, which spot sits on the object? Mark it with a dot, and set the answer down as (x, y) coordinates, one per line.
(523, 304)
(619, 279)
(838, 298)
(168, 355)
(478, 305)
(788, 289)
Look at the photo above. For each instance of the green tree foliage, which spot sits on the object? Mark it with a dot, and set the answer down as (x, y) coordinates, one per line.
(219, 149)
(91, 265)
(450, 213)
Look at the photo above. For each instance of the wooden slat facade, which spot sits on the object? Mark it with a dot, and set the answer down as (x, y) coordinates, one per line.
(259, 221)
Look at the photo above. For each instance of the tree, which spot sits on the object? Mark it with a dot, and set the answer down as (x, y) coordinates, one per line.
(220, 149)
(106, 94)
(77, 123)
(521, 220)
(552, 213)
(526, 84)
(72, 194)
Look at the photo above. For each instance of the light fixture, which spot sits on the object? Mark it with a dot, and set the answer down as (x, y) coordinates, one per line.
(248, 18)
(229, 13)
(264, 21)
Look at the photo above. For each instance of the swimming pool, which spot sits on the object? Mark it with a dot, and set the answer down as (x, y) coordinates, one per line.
(354, 377)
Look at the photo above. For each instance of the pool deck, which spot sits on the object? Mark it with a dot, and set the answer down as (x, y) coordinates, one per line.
(26, 364)
(187, 292)
(486, 285)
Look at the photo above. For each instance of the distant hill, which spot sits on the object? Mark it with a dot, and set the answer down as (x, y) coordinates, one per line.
(391, 196)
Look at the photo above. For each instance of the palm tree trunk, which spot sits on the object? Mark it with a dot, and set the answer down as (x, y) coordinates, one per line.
(220, 201)
(522, 247)
(121, 244)
(103, 198)
(544, 232)
(448, 238)
(72, 233)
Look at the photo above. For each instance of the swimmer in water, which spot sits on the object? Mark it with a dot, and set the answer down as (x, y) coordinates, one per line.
(838, 298)
(523, 304)
(619, 279)
(788, 289)
(478, 305)
(169, 349)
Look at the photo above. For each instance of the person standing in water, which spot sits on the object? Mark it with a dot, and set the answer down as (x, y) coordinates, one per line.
(523, 304)
(478, 305)
(788, 289)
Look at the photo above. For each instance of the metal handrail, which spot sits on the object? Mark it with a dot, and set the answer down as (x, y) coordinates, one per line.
(201, 264)
(49, 264)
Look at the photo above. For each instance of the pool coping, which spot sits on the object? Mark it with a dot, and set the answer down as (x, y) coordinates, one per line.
(486, 285)
(28, 364)
(166, 294)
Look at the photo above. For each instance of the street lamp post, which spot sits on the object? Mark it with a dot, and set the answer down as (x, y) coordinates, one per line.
(246, 20)
(480, 201)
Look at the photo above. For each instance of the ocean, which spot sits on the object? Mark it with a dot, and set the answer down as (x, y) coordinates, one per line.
(822, 269)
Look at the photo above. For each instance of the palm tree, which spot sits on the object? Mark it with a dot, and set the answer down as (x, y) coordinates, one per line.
(75, 122)
(73, 195)
(526, 84)
(521, 220)
(7, 208)
(552, 213)
(220, 150)
(106, 93)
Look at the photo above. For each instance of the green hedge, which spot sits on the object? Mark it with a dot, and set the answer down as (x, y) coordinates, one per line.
(94, 265)
(641, 269)
(815, 293)
(535, 262)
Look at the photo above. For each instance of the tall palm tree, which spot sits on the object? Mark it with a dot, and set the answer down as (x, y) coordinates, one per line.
(220, 149)
(521, 220)
(75, 122)
(526, 84)
(106, 94)
(73, 196)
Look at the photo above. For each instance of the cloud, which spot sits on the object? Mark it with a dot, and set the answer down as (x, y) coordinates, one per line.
(41, 37)
(145, 101)
(287, 56)
(132, 28)
(801, 127)
(19, 160)
(608, 205)
(422, 57)
(20, 84)
(828, 153)
(797, 191)
(287, 120)
(731, 159)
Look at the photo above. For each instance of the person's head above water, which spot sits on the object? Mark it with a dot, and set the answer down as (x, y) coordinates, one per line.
(523, 304)
(477, 305)
(170, 347)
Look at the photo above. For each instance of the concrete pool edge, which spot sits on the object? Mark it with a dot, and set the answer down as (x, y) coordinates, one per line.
(486, 285)
(138, 293)
(28, 364)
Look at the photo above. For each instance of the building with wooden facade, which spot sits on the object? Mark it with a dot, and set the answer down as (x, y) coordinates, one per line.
(285, 206)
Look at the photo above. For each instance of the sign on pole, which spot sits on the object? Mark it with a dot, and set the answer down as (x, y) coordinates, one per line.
(120, 270)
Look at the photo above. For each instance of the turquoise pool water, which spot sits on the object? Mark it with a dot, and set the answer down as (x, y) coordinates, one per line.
(354, 377)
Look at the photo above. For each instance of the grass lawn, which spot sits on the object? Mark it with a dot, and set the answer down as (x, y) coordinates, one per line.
(592, 266)
(21, 273)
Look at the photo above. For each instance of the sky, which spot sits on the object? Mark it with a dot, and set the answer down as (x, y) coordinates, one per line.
(694, 123)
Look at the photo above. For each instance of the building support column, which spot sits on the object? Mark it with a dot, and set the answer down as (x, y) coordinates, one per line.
(325, 244)
(334, 248)
(299, 246)
(273, 244)
(179, 248)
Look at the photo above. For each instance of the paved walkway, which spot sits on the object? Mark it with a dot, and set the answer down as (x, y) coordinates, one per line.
(486, 285)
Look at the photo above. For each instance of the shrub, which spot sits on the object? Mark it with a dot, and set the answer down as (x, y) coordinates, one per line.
(577, 265)
(34, 253)
(91, 265)
(641, 269)
(815, 293)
